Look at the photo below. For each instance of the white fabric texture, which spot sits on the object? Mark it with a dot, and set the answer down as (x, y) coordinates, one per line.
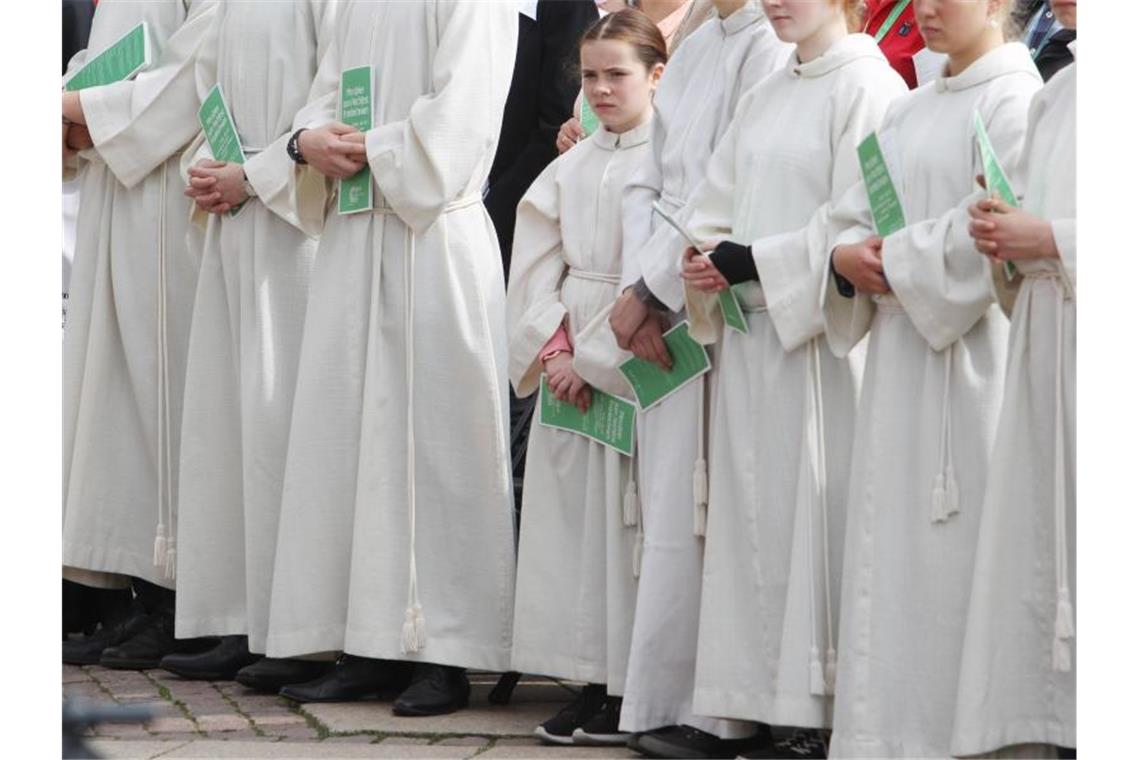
(132, 289)
(403, 364)
(694, 103)
(245, 337)
(926, 417)
(782, 424)
(1018, 682)
(575, 589)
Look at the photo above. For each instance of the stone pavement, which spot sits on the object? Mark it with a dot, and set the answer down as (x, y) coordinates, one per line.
(222, 719)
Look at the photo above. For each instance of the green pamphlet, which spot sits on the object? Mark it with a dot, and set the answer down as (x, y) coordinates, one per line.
(886, 209)
(129, 55)
(729, 301)
(651, 384)
(356, 111)
(589, 120)
(997, 183)
(608, 420)
(221, 133)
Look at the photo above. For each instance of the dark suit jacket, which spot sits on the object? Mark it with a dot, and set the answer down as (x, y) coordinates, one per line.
(76, 27)
(541, 98)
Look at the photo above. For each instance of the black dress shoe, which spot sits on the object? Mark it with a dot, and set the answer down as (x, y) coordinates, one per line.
(271, 674)
(146, 649)
(218, 664)
(88, 649)
(435, 690)
(353, 678)
(687, 742)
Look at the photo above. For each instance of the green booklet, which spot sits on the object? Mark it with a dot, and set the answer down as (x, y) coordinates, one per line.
(608, 420)
(589, 120)
(129, 55)
(221, 133)
(728, 299)
(355, 192)
(996, 180)
(651, 384)
(886, 209)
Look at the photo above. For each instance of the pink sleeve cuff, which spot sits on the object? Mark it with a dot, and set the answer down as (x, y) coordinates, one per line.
(558, 343)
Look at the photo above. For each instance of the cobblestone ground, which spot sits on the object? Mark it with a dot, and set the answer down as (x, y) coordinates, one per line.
(224, 719)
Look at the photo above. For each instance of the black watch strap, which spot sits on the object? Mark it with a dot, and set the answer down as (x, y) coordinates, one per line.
(293, 149)
(842, 284)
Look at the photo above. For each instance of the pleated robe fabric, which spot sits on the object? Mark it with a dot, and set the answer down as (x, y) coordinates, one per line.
(782, 423)
(694, 103)
(132, 290)
(424, 266)
(1016, 686)
(575, 589)
(927, 414)
(245, 338)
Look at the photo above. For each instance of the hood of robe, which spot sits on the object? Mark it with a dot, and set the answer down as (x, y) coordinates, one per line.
(842, 52)
(607, 140)
(1010, 58)
(741, 18)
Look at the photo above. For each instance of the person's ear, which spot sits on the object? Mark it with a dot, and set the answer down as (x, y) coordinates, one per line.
(655, 73)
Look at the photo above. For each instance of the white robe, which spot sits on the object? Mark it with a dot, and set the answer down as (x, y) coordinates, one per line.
(926, 416)
(246, 332)
(132, 289)
(783, 417)
(696, 98)
(1011, 691)
(575, 589)
(344, 571)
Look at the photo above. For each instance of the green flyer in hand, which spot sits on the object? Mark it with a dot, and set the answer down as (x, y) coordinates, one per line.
(128, 56)
(651, 384)
(609, 420)
(886, 209)
(996, 180)
(221, 133)
(589, 120)
(356, 111)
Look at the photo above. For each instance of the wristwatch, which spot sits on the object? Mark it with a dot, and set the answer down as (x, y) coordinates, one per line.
(293, 149)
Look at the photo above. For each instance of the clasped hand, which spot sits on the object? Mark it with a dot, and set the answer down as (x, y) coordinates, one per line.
(216, 186)
(699, 272)
(862, 264)
(567, 385)
(1007, 233)
(335, 150)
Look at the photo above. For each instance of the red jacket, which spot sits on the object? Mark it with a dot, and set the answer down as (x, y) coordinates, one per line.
(901, 42)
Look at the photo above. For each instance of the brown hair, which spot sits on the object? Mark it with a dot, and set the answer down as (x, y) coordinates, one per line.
(634, 27)
(855, 11)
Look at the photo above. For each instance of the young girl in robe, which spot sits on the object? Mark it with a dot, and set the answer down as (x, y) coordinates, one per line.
(931, 388)
(1018, 679)
(783, 413)
(576, 586)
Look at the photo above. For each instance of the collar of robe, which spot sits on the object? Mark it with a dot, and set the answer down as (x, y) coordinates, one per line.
(608, 140)
(843, 51)
(741, 18)
(1010, 58)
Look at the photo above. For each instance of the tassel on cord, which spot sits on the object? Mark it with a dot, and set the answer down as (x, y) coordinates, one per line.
(944, 494)
(171, 562)
(160, 545)
(629, 505)
(700, 497)
(413, 634)
(818, 685)
(1062, 656)
(951, 491)
(938, 499)
(829, 672)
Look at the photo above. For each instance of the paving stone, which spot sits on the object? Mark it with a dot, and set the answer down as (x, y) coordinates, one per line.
(248, 735)
(354, 739)
(75, 674)
(112, 748)
(316, 751)
(464, 741)
(275, 721)
(168, 724)
(122, 730)
(222, 722)
(535, 750)
(406, 741)
(89, 691)
(293, 733)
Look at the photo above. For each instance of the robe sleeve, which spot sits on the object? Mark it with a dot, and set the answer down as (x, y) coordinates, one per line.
(708, 216)
(534, 288)
(1065, 235)
(298, 194)
(846, 320)
(643, 189)
(431, 158)
(932, 265)
(71, 166)
(793, 264)
(139, 123)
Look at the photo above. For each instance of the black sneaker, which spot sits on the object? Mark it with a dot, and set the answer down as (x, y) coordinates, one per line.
(802, 745)
(687, 742)
(601, 730)
(560, 728)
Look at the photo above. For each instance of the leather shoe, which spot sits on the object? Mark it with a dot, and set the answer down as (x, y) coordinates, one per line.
(435, 690)
(146, 649)
(271, 674)
(353, 678)
(218, 664)
(88, 649)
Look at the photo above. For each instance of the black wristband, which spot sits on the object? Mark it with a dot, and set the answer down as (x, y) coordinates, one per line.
(293, 148)
(842, 284)
(642, 292)
(734, 261)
